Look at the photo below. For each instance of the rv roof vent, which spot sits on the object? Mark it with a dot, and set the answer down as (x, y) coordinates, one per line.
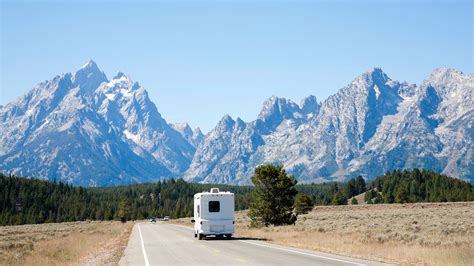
(214, 190)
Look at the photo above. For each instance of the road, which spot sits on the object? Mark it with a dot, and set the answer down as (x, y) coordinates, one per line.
(168, 244)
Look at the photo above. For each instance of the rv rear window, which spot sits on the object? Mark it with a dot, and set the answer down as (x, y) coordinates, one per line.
(214, 206)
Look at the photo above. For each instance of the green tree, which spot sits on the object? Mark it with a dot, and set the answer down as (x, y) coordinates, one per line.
(124, 209)
(401, 195)
(369, 195)
(354, 201)
(303, 204)
(339, 199)
(350, 188)
(273, 197)
(378, 199)
(361, 185)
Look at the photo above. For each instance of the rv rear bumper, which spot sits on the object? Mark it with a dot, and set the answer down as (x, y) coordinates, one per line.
(223, 227)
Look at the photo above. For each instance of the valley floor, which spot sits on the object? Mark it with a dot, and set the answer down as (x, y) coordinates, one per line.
(90, 243)
(432, 233)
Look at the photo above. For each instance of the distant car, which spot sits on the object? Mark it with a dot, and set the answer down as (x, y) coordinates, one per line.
(153, 220)
(166, 218)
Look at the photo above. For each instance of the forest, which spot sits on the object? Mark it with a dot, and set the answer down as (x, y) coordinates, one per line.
(418, 186)
(27, 201)
(30, 201)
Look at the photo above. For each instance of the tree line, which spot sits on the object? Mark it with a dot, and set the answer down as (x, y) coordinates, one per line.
(31, 201)
(418, 186)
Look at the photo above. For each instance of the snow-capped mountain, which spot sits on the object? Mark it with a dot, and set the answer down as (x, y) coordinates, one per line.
(87, 130)
(194, 137)
(371, 126)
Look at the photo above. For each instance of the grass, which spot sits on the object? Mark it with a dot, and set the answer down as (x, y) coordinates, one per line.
(424, 233)
(95, 243)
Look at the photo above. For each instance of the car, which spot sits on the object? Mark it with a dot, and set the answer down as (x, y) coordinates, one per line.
(153, 220)
(166, 218)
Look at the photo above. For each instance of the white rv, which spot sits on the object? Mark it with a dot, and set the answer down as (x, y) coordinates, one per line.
(213, 214)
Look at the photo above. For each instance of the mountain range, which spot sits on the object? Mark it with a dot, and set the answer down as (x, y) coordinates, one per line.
(85, 129)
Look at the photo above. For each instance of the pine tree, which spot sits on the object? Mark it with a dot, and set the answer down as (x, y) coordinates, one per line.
(124, 210)
(361, 185)
(273, 197)
(350, 188)
(303, 204)
(339, 199)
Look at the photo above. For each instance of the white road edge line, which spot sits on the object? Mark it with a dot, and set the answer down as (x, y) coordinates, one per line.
(289, 250)
(143, 246)
(303, 253)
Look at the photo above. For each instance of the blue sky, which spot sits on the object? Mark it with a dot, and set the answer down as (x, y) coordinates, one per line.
(201, 60)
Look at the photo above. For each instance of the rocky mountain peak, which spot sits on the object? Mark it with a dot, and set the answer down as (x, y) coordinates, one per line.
(89, 77)
(310, 105)
(183, 128)
(442, 78)
(365, 81)
(90, 64)
(444, 73)
(197, 131)
(101, 132)
(275, 107)
(377, 74)
(197, 137)
(120, 75)
(194, 137)
(226, 123)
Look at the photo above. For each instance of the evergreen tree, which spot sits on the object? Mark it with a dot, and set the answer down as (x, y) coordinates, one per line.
(350, 188)
(361, 185)
(303, 204)
(273, 197)
(124, 209)
(369, 195)
(339, 199)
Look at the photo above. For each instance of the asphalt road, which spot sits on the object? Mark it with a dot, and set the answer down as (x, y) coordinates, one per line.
(168, 244)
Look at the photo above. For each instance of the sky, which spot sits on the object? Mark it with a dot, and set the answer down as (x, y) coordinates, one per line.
(200, 60)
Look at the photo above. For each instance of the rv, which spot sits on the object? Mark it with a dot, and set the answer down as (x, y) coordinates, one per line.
(213, 214)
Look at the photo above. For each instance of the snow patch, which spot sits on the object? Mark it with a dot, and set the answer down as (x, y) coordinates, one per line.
(377, 91)
(110, 96)
(66, 126)
(131, 136)
(126, 93)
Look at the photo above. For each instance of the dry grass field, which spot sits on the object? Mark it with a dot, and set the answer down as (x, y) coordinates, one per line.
(424, 233)
(89, 243)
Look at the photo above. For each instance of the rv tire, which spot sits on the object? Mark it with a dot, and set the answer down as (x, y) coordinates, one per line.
(200, 236)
